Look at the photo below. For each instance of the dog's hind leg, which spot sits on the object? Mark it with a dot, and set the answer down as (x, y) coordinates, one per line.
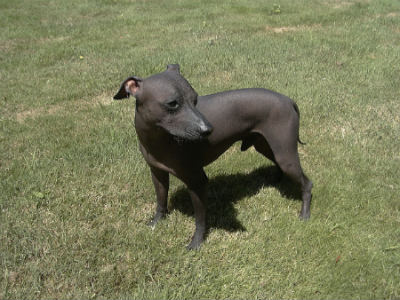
(283, 151)
(290, 165)
(261, 145)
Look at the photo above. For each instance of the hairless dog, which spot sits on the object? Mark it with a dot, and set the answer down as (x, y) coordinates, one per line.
(180, 133)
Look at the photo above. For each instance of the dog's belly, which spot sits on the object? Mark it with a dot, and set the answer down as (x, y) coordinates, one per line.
(211, 152)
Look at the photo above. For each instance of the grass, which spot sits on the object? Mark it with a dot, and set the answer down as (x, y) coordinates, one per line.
(76, 193)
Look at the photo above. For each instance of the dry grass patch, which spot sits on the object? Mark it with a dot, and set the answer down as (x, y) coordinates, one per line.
(285, 29)
(72, 107)
(393, 15)
(338, 4)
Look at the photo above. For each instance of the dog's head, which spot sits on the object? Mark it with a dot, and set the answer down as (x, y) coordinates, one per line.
(168, 101)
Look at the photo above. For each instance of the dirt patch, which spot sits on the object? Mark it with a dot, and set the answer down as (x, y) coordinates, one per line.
(31, 114)
(53, 39)
(341, 4)
(224, 76)
(393, 15)
(292, 28)
(103, 99)
(9, 45)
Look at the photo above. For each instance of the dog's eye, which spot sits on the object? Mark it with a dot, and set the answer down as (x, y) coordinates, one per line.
(173, 104)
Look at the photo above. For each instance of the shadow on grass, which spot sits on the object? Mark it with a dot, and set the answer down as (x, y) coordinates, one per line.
(225, 190)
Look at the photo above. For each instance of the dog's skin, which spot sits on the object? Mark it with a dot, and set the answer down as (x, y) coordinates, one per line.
(181, 132)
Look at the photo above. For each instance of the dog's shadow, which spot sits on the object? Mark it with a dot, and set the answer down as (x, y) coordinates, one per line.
(225, 190)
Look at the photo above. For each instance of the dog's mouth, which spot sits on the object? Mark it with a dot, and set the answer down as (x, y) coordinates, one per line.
(189, 138)
(192, 133)
(189, 135)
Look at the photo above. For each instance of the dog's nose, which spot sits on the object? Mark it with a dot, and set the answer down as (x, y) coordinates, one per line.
(205, 129)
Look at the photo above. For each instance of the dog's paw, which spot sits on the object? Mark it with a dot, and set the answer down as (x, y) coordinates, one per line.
(156, 219)
(304, 215)
(193, 246)
(152, 223)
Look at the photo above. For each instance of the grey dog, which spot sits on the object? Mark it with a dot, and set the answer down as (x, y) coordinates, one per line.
(180, 133)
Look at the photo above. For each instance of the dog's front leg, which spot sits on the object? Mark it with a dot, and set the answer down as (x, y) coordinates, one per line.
(161, 185)
(197, 190)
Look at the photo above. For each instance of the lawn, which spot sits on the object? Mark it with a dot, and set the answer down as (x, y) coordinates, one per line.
(76, 193)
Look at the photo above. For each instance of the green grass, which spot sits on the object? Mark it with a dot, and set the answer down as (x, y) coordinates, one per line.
(76, 193)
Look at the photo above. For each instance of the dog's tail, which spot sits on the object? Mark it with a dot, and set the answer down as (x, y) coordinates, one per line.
(296, 108)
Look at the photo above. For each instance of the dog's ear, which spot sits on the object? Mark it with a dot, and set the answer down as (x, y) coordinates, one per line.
(130, 86)
(174, 67)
